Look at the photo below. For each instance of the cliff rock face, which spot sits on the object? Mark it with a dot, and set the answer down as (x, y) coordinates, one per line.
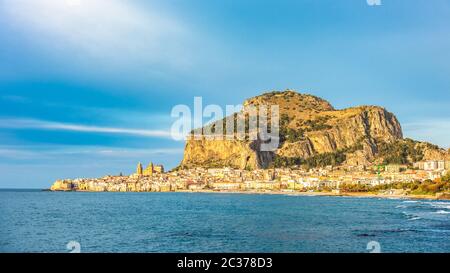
(225, 153)
(367, 126)
(309, 126)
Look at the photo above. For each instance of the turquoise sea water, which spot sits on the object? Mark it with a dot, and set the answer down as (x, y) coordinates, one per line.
(36, 221)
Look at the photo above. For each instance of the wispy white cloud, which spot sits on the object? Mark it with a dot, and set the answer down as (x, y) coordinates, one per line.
(436, 131)
(14, 123)
(119, 115)
(18, 152)
(109, 32)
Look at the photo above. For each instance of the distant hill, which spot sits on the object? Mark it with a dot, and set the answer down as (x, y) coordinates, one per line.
(313, 134)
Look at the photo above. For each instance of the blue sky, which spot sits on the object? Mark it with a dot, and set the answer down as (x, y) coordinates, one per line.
(87, 86)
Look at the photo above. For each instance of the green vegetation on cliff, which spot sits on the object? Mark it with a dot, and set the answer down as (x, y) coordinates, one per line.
(404, 151)
(319, 160)
(292, 135)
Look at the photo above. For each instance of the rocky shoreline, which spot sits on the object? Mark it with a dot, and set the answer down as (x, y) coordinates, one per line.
(439, 196)
(297, 193)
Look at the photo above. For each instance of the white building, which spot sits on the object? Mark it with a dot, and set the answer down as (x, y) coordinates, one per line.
(433, 165)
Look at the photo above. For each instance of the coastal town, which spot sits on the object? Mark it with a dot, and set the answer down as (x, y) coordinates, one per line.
(328, 179)
(320, 150)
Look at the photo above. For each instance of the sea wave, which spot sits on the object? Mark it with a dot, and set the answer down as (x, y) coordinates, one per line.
(410, 216)
(440, 205)
(442, 212)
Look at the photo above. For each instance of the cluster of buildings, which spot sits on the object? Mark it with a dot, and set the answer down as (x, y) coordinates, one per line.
(433, 165)
(434, 168)
(154, 179)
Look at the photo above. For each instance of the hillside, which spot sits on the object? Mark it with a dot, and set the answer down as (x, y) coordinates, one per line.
(313, 133)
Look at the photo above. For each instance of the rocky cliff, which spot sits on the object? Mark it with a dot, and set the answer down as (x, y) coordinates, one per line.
(312, 132)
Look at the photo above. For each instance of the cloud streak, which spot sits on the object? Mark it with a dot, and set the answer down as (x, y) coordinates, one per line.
(51, 152)
(60, 126)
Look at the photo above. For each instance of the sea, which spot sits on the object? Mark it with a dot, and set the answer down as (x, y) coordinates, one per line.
(41, 221)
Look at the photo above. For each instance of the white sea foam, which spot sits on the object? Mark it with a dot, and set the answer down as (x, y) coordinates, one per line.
(442, 212)
(411, 216)
(439, 205)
